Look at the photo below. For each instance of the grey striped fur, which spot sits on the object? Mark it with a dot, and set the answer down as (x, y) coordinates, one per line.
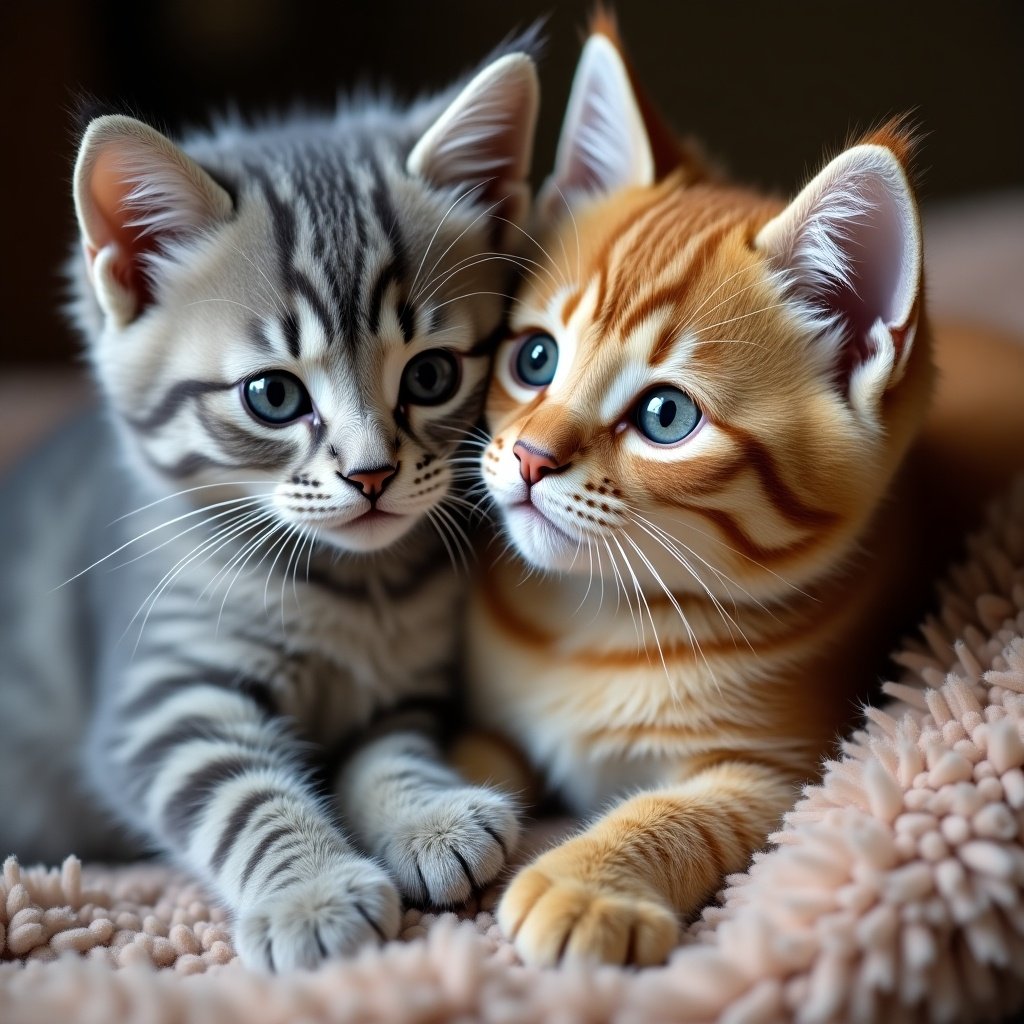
(225, 626)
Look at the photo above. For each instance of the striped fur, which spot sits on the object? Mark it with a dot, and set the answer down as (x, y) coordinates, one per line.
(669, 658)
(242, 673)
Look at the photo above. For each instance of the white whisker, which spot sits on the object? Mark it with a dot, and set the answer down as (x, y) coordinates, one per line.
(147, 533)
(426, 252)
(430, 281)
(691, 635)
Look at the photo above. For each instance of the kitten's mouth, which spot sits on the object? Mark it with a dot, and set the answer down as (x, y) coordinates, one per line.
(530, 513)
(326, 520)
(373, 530)
(371, 517)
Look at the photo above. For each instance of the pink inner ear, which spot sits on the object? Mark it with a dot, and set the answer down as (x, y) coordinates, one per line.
(110, 190)
(850, 246)
(877, 280)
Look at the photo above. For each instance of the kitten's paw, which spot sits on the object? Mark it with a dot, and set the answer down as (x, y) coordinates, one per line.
(553, 917)
(313, 919)
(452, 845)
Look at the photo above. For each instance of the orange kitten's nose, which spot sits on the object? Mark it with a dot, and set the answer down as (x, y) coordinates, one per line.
(371, 481)
(534, 463)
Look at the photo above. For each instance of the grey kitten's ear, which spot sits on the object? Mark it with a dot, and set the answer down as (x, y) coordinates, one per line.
(485, 138)
(604, 144)
(135, 190)
(849, 246)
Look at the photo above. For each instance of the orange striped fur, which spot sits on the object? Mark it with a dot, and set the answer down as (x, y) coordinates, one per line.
(706, 614)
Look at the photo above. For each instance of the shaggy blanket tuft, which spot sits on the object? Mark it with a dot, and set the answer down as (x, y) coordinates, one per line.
(893, 892)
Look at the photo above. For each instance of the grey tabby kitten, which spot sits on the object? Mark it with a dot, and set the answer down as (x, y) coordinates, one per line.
(289, 324)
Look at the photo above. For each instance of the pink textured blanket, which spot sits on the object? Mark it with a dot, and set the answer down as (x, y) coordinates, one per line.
(894, 890)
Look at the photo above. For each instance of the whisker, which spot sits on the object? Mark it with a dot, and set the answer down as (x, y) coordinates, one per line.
(469, 262)
(309, 551)
(744, 316)
(718, 288)
(239, 503)
(692, 636)
(230, 302)
(430, 281)
(466, 263)
(437, 523)
(297, 541)
(211, 584)
(730, 622)
(473, 295)
(638, 622)
(753, 561)
(222, 536)
(426, 252)
(462, 542)
(547, 256)
(190, 490)
(290, 532)
(575, 228)
(279, 302)
(590, 580)
(141, 536)
(254, 547)
(640, 597)
(730, 341)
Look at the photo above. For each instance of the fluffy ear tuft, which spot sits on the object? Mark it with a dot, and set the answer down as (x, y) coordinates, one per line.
(485, 137)
(604, 144)
(134, 190)
(849, 246)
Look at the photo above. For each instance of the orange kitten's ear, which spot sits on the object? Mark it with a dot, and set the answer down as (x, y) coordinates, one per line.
(134, 190)
(485, 138)
(850, 248)
(603, 146)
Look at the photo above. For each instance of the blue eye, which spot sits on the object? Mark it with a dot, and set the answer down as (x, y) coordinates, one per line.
(535, 360)
(666, 415)
(276, 398)
(430, 378)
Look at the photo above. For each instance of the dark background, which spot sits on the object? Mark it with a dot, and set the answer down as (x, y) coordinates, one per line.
(769, 87)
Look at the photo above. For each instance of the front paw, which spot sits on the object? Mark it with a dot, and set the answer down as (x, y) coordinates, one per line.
(553, 914)
(451, 845)
(312, 919)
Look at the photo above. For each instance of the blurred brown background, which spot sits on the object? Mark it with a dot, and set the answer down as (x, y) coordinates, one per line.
(768, 87)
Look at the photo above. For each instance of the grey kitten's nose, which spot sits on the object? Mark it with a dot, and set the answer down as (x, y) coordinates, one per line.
(371, 482)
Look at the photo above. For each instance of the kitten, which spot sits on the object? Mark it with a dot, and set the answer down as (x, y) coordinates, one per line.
(695, 426)
(289, 324)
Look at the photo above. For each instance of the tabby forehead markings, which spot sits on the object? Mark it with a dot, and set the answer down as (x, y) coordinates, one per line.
(296, 282)
(691, 252)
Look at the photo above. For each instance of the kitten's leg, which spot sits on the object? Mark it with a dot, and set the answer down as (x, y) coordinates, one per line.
(441, 838)
(614, 893)
(219, 783)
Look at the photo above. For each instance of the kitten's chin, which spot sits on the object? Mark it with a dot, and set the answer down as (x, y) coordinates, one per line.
(372, 531)
(543, 544)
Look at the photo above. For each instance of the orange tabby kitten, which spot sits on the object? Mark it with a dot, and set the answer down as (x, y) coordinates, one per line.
(696, 427)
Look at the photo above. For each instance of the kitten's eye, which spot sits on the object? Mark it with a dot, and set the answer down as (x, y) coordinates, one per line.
(665, 415)
(276, 398)
(535, 360)
(430, 378)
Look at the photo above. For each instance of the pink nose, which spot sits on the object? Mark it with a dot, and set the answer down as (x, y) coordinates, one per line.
(372, 482)
(534, 463)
